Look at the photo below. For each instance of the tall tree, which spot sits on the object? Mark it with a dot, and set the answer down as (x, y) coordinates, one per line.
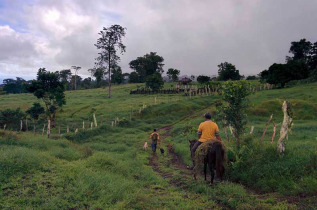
(76, 69)
(108, 44)
(98, 73)
(173, 74)
(50, 89)
(147, 65)
(134, 77)
(227, 71)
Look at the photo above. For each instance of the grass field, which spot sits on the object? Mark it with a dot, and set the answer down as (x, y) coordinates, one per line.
(106, 168)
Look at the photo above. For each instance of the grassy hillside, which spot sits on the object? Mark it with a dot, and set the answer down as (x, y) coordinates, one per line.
(106, 168)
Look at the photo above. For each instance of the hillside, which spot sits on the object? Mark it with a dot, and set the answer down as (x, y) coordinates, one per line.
(106, 168)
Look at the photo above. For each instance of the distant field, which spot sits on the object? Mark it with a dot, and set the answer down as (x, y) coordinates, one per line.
(106, 168)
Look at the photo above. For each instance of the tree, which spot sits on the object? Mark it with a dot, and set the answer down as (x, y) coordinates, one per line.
(155, 81)
(251, 77)
(147, 65)
(87, 83)
(76, 69)
(300, 50)
(233, 111)
(134, 77)
(11, 118)
(65, 76)
(50, 89)
(15, 86)
(98, 73)
(109, 42)
(227, 71)
(173, 74)
(203, 79)
(117, 76)
(34, 112)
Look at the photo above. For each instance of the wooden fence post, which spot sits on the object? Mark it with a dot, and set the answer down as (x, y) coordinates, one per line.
(267, 124)
(286, 126)
(95, 120)
(91, 124)
(274, 131)
(48, 128)
(59, 131)
(4, 127)
(83, 125)
(21, 125)
(67, 129)
(252, 128)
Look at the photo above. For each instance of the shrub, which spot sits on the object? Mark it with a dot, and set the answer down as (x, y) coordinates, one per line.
(11, 118)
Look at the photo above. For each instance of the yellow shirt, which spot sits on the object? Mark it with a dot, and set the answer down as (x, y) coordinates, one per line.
(208, 131)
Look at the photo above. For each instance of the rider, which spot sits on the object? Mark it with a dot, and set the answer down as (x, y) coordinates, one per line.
(155, 138)
(207, 130)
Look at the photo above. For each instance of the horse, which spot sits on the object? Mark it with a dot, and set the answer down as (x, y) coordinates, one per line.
(214, 159)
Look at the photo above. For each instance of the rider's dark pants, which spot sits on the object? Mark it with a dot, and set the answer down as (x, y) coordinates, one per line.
(196, 145)
(154, 147)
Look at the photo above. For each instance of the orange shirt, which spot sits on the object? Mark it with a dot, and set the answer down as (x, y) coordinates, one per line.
(208, 130)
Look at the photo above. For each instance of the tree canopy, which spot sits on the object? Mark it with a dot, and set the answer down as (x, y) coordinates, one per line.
(147, 65)
(50, 89)
(203, 79)
(228, 71)
(173, 74)
(155, 81)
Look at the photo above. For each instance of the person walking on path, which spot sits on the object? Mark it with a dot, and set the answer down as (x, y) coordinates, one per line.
(155, 137)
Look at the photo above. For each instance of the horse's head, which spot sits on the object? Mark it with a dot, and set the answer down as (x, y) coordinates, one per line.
(191, 143)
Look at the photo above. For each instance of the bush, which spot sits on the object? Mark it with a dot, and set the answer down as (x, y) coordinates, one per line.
(11, 118)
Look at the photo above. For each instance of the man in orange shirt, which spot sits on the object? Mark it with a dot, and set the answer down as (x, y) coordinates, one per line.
(207, 130)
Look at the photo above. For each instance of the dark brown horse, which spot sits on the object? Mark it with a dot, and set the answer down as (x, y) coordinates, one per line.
(214, 159)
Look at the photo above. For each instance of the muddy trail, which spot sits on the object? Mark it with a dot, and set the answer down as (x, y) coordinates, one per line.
(181, 177)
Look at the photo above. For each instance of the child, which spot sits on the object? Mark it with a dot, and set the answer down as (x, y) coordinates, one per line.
(155, 138)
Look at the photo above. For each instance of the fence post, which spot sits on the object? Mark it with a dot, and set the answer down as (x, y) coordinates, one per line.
(95, 120)
(91, 124)
(21, 125)
(33, 127)
(252, 128)
(59, 131)
(67, 129)
(48, 128)
(4, 127)
(83, 125)
(267, 124)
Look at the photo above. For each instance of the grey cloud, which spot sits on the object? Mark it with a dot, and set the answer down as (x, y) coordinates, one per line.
(193, 36)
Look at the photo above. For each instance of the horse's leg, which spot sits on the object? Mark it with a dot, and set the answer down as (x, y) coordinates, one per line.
(205, 168)
(211, 168)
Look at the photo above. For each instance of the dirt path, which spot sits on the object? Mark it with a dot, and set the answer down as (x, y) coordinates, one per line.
(183, 183)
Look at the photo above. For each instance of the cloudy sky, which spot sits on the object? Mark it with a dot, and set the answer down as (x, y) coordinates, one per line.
(192, 35)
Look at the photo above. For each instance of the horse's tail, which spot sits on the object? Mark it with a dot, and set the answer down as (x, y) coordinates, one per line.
(219, 160)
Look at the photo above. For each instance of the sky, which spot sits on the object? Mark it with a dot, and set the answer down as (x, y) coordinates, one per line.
(192, 36)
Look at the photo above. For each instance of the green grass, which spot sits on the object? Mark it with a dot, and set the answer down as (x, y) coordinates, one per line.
(106, 168)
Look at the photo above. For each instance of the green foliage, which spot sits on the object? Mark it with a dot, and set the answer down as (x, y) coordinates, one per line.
(227, 71)
(173, 74)
(203, 79)
(35, 111)
(11, 118)
(155, 81)
(117, 76)
(234, 110)
(147, 65)
(134, 77)
(15, 86)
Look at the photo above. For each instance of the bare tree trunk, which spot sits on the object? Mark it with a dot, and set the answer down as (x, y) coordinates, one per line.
(286, 126)
(267, 124)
